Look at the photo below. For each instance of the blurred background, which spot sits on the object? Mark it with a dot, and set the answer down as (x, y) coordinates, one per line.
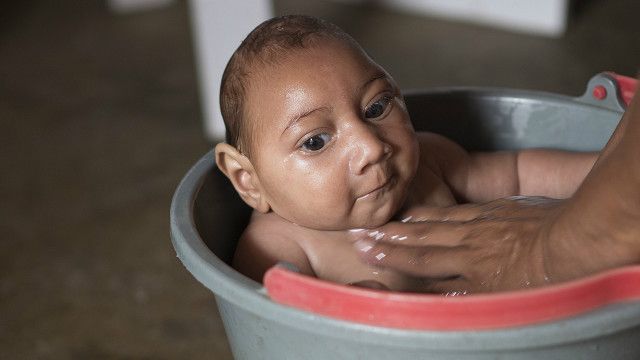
(101, 117)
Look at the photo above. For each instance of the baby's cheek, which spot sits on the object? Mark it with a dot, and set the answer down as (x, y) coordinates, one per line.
(329, 199)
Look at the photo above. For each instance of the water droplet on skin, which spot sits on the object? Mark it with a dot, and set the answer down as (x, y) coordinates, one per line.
(380, 256)
(363, 246)
(406, 219)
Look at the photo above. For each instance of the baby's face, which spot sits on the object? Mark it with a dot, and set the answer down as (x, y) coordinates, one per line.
(334, 148)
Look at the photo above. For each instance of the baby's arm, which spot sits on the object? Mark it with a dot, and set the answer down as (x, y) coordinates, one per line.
(485, 176)
(265, 242)
(552, 173)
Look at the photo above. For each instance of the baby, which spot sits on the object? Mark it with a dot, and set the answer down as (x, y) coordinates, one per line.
(319, 142)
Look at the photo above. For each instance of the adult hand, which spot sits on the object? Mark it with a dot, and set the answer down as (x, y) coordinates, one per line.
(469, 248)
(507, 244)
(521, 242)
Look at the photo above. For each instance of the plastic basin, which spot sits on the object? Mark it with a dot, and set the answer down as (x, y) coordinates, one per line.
(207, 218)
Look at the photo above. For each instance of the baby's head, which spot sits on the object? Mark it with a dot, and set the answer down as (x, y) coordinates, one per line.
(316, 131)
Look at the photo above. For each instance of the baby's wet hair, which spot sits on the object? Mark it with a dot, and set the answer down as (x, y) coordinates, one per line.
(266, 44)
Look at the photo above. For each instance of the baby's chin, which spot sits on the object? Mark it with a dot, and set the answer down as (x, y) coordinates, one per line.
(371, 219)
(376, 222)
(370, 222)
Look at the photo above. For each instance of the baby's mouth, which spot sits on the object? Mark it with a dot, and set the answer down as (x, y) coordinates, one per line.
(378, 190)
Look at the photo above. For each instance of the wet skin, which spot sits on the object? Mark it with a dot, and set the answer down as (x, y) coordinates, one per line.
(336, 148)
(336, 151)
(333, 149)
(509, 244)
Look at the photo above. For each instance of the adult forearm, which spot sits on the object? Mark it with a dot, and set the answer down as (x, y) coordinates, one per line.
(612, 189)
(603, 217)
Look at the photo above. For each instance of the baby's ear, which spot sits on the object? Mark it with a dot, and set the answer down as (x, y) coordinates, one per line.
(241, 173)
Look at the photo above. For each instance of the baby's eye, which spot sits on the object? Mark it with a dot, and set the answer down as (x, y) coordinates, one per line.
(377, 109)
(316, 142)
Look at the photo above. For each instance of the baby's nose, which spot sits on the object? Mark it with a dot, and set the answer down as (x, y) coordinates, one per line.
(368, 148)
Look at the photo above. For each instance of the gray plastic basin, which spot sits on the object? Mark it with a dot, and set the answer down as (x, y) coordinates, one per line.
(207, 218)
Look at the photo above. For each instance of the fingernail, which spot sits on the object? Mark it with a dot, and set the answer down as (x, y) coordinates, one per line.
(363, 245)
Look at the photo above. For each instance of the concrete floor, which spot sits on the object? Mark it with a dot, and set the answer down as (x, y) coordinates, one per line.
(101, 118)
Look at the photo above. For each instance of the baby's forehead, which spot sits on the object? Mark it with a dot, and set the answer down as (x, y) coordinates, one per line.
(302, 69)
(309, 61)
(271, 80)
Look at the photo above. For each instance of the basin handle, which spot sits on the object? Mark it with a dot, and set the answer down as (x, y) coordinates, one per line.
(610, 90)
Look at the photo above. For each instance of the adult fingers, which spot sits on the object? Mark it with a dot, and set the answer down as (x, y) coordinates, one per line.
(419, 233)
(463, 212)
(434, 262)
(505, 207)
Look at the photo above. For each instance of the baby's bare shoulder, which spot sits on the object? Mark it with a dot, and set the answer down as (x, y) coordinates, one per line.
(439, 158)
(267, 240)
(441, 153)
